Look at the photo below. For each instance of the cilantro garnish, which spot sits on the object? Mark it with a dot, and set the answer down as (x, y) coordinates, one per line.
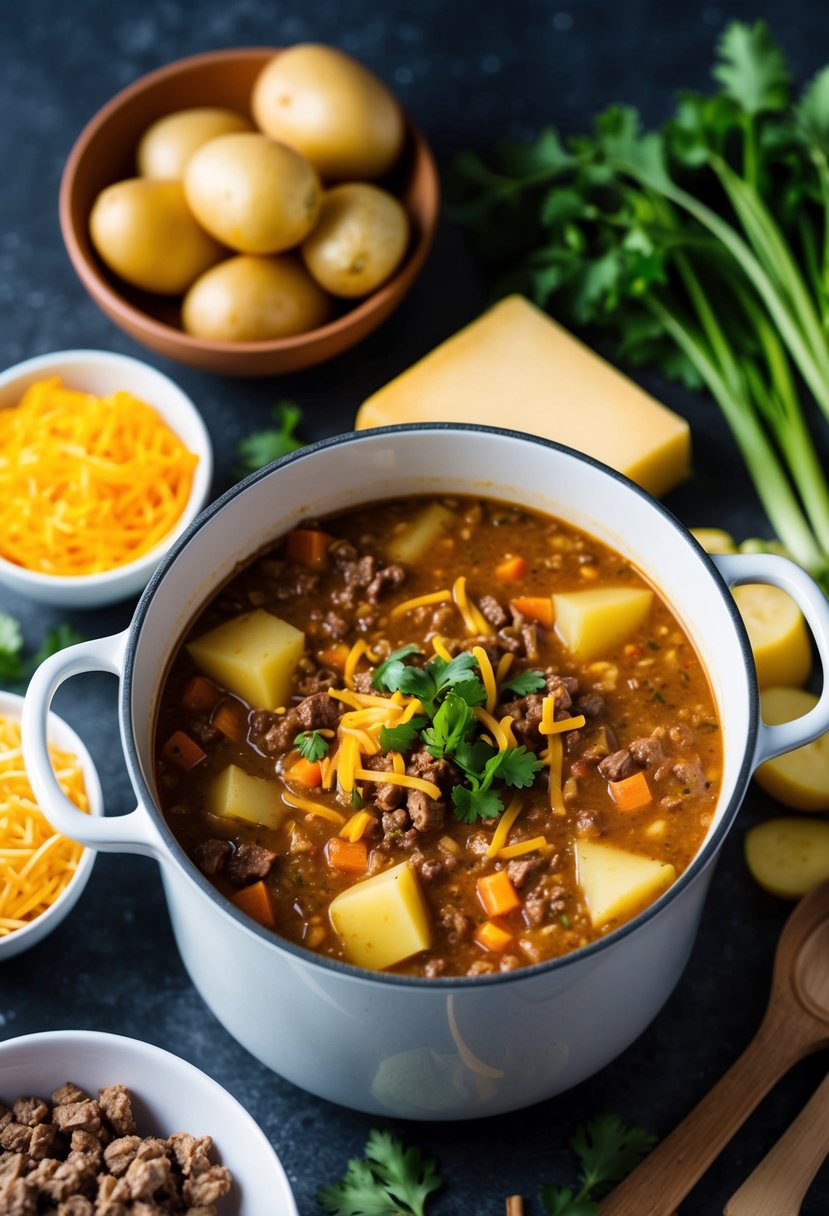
(260, 448)
(392, 1181)
(607, 1150)
(400, 738)
(524, 682)
(449, 693)
(14, 668)
(312, 745)
(11, 648)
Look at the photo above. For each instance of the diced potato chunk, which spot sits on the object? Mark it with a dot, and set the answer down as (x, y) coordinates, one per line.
(714, 540)
(254, 655)
(235, 794)
(788, 856)
(591, 623)
(617, 884)
(420, 535)
(383, 919)
(799, 779)
(778, 634)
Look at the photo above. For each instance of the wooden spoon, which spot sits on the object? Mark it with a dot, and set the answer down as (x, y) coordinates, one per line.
(796, 1023)
(778, 1186)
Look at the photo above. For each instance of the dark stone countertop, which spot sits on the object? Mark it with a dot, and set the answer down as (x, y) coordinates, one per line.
(467, 73)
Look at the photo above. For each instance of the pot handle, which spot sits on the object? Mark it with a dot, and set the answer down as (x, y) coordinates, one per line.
(739, 568)
(132, 833)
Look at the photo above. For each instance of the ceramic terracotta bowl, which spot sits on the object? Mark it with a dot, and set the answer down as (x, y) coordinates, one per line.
(105, 153)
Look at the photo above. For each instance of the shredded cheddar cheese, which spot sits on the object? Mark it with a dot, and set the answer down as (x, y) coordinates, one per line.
(439, 647)
(493, 726)
(419, 601)
(553, 756)
(523, 846)
(353, 657)
(393, 778)
(87, 483)
(504, 826)
(36, 863)
(504, 664)
(312, 808)
(476, 624)
(488, 677)
(356, 826)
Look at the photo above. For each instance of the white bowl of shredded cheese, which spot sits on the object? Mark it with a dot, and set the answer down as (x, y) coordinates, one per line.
(104, 461)
(42, 873)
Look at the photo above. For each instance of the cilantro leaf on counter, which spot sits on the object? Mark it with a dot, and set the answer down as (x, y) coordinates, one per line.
(261, 447)
(392, 1181)
(524, 682)
(11, 649)
(57, 638)
(312, 745)
(607, 1150)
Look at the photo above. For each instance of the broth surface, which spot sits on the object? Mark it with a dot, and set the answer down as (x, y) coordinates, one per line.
(616, 753)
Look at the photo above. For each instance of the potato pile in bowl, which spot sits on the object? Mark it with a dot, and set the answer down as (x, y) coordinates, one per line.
(260, 225)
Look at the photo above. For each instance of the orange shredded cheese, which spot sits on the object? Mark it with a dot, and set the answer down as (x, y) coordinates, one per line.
(87, 483)
(356, 826)
(36, 863)
(392, 778)
(419, 601)
(440, 649)
(476, 624)
(504, 664)
(504, 825)
(552, 756)
(493, 726)
(488, 677)
(523, 846)
(353, 657)
(312, 808)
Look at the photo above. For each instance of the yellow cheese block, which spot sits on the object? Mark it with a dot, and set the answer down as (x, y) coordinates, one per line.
(514, 367)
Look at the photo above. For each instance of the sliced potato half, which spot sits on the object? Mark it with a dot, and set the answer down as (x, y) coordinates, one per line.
(778, 635)
(799, 779)
(788, 856)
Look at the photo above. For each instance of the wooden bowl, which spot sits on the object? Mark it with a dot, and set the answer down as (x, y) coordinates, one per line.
(105, 153)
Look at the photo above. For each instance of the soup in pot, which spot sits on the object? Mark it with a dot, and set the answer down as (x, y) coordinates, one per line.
(438, 737)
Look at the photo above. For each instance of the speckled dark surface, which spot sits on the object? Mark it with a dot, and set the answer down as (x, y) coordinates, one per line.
(467, 72)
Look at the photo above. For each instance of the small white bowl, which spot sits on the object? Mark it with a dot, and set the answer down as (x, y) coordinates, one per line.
(168, 1095)
(103, 372)
(65, 738)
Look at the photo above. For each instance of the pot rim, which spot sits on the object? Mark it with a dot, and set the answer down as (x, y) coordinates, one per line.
(705, 856)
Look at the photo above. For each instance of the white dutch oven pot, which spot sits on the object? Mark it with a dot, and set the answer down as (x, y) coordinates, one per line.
(411, 1047)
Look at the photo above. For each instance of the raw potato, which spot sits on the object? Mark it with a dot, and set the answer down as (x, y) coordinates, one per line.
(799, 779)
(788, 856)
(145, 232)
(778, 635)
(714, 540)
(358, 241)
(235, 794)
(617, 884)
(253, 655)
(252, 193)
(167, 145)
(421, 534)
(382, 920)
(331, 109)
(591, 623)
(254, 299)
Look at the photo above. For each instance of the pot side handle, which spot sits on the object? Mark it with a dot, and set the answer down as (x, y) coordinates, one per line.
(739, 568)
(131, 833)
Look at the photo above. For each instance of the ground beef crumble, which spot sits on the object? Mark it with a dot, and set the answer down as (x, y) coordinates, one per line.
(76, 1155)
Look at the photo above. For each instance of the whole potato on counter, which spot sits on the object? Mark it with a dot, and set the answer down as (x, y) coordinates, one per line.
(358, 241)
(331, 109)
(252, 193)
(166, 146)
(145, 232)
(254, 299)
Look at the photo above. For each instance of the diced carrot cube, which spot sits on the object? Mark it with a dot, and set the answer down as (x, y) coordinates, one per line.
(497, 894)
(304, 772)
(200, 695)
(308, 546)
(256, 901)
(231, 719)
(631, 792)
(492, 936)
(334, 656)
(511, 569)
(535, 608)
(183, 751)
(350, 856)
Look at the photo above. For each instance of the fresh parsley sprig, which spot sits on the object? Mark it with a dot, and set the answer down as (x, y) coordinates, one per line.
(607, 1150)
(312, 745)
(392, 1180)
(516, 767)
(702, 250)
(432, 681)
(260, 448)
(15, 667)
